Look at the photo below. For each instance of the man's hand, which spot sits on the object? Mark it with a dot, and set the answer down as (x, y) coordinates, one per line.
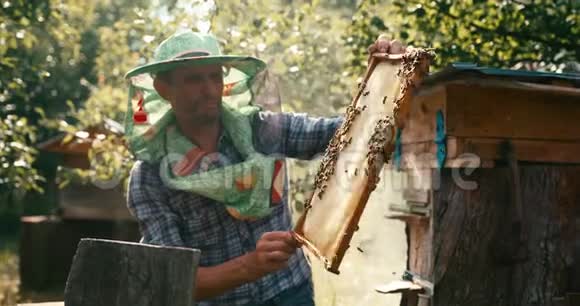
(272, 253)
(385, 45)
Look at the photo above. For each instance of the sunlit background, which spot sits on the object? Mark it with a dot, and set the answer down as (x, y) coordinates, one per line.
(62, 93)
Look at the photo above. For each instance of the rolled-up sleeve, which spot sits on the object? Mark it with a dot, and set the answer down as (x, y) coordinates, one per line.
(147, 200)
(295, 135)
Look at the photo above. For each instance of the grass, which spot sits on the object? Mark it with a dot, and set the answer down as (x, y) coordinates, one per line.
(10, 291)
(9, 277)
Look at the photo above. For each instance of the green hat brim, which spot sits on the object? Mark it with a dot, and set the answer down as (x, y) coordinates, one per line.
(247, 64)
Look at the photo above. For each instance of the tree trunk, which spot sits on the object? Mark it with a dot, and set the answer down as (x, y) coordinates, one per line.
(485, 252)
(114, 273)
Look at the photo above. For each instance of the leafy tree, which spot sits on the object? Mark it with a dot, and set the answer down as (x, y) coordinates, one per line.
(16, 157)
(53, 60)
(366, 25)
(542, 34)
(35, 73)
(127, 35)
(300, 42)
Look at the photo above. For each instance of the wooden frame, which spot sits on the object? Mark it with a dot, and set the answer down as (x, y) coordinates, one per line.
(357, 153)
(536, 119)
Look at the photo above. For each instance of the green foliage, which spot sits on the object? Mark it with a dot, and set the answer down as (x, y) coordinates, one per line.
(62, 68)
(43, 55)
(16, 156)
(365, 27)
(300, 42)
(125, 39)
(504, 34)
(9, 294)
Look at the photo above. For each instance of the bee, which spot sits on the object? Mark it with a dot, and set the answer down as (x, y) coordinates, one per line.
(355, 171)
(384, 99)
(366, 93)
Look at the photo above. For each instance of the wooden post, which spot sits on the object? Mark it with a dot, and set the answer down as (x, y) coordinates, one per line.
(35, 260)
(479, 255)
(115, 273)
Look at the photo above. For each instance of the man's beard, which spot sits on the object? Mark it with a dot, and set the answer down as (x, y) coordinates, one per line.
(208, 117)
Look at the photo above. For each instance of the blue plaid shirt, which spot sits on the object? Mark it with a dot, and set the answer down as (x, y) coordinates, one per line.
(179, 218)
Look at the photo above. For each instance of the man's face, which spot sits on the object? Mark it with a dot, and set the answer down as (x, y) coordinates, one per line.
(195, 93)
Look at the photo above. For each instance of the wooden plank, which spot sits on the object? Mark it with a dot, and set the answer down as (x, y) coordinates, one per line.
(419, 156)
(418, 187)
(419, 179)
(115, 273)
(423, 155)
(404, 217)
(419, 253)
(525, 150)
(420, 125)
(459, 162)
(416, 195)
(410, 208)
(424, 300)
(43, 304)
(398, 287)
(483, 109)
(420, 247)
(467, 151)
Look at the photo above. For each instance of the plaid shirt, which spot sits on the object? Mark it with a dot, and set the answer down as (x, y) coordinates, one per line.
(179, 218)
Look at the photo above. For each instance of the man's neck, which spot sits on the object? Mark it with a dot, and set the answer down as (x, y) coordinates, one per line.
(205, 136)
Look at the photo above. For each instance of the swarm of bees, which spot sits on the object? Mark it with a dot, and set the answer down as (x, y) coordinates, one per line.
(383, 132)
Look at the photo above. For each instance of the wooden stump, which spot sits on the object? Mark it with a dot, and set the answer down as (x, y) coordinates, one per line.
(36, 259)
(48, 245)
(486, 253)
(114, 273)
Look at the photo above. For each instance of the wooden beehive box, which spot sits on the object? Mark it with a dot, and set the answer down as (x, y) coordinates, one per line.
(480, 108)
(48, 242)
(86, 201)
(491, 159)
